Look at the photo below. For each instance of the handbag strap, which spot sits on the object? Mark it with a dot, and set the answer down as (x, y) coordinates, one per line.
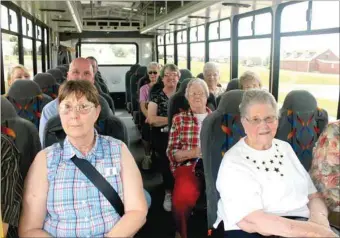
(98, 181)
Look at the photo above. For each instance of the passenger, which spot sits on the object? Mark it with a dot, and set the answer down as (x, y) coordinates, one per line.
(153, 72)
(17, 72)
(264, 189)
(184, 152)
(211, 74)
(94, 63)
(325, 170)
(11, 187)
(59, 200)
(158, 119)
(250, 80)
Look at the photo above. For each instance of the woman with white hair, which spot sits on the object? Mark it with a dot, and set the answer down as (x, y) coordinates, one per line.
(153, 73)
(184, 152)
(264, 189)
(211, 74)
(250, 80)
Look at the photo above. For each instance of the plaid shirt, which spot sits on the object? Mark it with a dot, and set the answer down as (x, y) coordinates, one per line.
(75, 207)
(184, 135)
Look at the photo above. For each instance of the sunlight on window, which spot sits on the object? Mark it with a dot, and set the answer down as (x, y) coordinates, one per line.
(293, 17)
(263, 24)
(10, 53)
(170, 54)
(244, 26)
(213, 31)
(182, 56)
(4, 18)
(111, 54)
(161, 54)
(219, 52)
(325, 14)
(197, 55)
(311, 63)
(39, 57)
(14, 21)
(28, 55)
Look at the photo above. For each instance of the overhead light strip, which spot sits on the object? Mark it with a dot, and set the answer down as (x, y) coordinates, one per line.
(74, 16)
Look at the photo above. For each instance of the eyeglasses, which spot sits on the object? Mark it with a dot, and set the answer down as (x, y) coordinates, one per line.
(193, 94)
(257, 121)
(81, 108)
(171, 75)
(153, 72)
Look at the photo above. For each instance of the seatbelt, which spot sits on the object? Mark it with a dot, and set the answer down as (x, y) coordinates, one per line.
(99, 182)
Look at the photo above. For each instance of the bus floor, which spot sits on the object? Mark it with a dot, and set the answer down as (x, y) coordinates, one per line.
(159, 222)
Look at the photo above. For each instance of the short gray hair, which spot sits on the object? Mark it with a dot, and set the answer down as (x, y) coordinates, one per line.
(249, 76)
(154, 64)
(200, 82)
(257, 96)
(210, 66)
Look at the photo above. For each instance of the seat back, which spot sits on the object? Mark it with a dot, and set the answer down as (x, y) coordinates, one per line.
(128, 75)
(107, 124)
(301, 123)
(200, 76)
(48, 84)
(220, 131)
(57, 74)
(185, 74)
(140, 73)
(28, 100)
(107, 97)
(63, 70)
(232, 85)
(22, 132)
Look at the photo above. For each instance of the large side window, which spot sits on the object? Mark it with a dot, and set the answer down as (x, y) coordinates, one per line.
(160, 49)
(182, 49)
(197, 49)
(310, 61)
(169, 39)
(254, 45)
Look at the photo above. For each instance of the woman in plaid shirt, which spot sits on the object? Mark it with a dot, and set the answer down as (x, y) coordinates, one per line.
(184, 152)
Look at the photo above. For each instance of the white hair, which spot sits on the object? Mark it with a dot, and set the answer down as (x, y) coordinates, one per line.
(200, 82)
(210, 66)
(153, 64)
(257, 96)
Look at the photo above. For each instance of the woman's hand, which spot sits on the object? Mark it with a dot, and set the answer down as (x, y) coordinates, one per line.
(196, 152)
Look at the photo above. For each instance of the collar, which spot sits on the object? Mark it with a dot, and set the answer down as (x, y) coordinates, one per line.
(190, 113)
(69, 150)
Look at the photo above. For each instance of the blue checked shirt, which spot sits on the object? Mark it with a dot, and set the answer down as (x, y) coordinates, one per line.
(75, 207)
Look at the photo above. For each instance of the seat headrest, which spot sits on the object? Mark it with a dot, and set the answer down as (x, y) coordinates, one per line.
(45, 80)
(57, 74)
(299, 100)
(185, 74)
(24, 89)
(183, 86)
(134, 68)
(63, 70)
(200, 76)
(141, 71)
(7, 110)
(105, 108)
(230, 101)
(233, 84)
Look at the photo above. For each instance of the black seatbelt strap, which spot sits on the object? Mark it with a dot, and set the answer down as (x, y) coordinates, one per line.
(99, 182)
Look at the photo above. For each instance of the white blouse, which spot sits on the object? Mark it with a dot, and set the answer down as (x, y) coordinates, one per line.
(271, 180)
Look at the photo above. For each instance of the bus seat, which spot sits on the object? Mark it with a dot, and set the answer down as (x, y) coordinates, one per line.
(185, 74)
(232, 85)
(106, 96)
(140, 73)
(24, 134)
(47, 83)
(220, 131)
(178, 102)
(57, 74)
(101, 83)
(301, 123)
(141, 82)
(128, 75)
(107, 124)
(28, 100)
(200, 76)
(63, 70)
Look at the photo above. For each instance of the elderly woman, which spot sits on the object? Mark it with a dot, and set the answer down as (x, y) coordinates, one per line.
(211, 74)
(17, 72)
(59, 200)
(158, 119)
(250, 80)
(325, 170)
(153, 72)
(184, 152)
(263, 186)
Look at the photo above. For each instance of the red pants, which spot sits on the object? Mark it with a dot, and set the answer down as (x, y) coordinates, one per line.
(184, 196)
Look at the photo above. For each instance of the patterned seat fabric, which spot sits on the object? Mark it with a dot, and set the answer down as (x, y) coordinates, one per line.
(301, 123)
(220, 131)
(48, 84)
(28, 100)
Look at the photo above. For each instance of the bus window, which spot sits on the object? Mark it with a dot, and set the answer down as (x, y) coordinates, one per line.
(39, 60)
(160, 49)
(311, 63)
(220, 52)
(170, 54)
(182, 56)
(296, 23)
(225, 29)
(325, 14)
(213, 31)
(28, 55)
(29, 28)
(10, 53)
(263, 24)
(197, 55)
(244, 26)
(4, 17)
(14, 21)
